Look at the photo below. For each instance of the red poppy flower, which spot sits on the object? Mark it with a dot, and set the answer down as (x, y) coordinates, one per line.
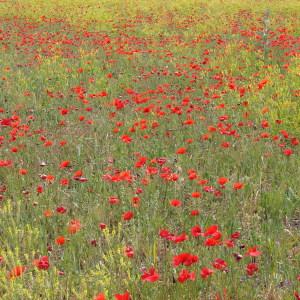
(186, 259)
(64, 111)
(196, 231)
(62, 143)
(195, 212)
(186, 275)
(287, 152)
(5, 122)
(102, 226)
(100, 296)
(262, 83)
(77, 174)
(16, 272)
(128, 215)
(229, 243)
(39, 189)
(49, 178)
(175, 202)
(113, 200)
(136, 201)
(179, 238)
(222, 180)
(64, 182)
(129, 252)
(74, 226)
(211, 230)
(64, 164)
(126, 139)
(196, 195)
(192, 174)
(202, 181)
(47, 213)
(6, 163)
(295, 141)
(235, 235)
(23, 171)
(209, 189)
(150, 276)
(43, 263)
(206, 272)
(225, 145)
(60, 240)
(264, 124)
(125, 296)
(251, 269)
(181, 150)
(219, 264)
(238, 185)
(253, 252)
(61, 210)
(210, 242)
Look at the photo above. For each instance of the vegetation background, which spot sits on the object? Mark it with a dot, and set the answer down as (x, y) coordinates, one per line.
(111, 110)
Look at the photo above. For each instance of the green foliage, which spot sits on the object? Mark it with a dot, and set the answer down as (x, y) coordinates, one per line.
(53, 47)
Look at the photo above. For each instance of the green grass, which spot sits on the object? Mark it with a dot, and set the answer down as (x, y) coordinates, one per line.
(166, 63)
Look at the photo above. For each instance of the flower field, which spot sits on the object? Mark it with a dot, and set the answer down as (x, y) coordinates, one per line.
(149, 150)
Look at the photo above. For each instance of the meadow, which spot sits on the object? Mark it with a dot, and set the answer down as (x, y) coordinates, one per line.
(149, 150)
